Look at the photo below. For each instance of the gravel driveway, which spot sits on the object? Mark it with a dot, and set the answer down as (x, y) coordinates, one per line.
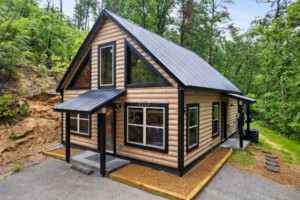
(231, 184)
(55, 180)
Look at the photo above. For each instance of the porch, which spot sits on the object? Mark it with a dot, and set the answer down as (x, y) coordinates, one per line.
(89, 160)
(80, 109)
(243, 139)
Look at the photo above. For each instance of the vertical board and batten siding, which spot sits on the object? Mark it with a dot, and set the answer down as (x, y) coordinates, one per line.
(109, 32)
(205, 100)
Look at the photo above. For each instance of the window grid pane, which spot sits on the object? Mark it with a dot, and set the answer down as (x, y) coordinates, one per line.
(138, 130)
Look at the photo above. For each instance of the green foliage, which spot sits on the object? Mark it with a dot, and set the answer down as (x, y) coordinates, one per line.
(30, 35)
(24, 110)
(13, 136)
(7, 106)
(16, 167)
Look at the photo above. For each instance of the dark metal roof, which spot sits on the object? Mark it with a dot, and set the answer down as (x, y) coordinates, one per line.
(184, 66)
(240, 97)
(90, 102)
(187, 66)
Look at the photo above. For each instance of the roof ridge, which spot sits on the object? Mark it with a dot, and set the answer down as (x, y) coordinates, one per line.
(111, 13)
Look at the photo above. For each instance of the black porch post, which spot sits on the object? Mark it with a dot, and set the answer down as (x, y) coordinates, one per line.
(68, 137)
(101, 135)
(240, 123)
(248, 121)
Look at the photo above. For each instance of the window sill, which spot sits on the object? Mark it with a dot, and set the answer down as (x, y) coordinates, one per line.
(147, 147)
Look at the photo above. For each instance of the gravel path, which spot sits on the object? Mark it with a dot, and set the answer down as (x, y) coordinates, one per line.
(231, 184)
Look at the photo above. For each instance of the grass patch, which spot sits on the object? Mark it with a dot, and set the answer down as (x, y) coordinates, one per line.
(242, 157)
(16, 167)
(286, 145)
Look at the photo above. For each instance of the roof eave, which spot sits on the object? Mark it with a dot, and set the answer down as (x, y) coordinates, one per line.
(211, 89)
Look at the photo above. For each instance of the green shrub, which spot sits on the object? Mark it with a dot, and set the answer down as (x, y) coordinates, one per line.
(7, 105)
(16, 167)
(24, 111)
(13, 135)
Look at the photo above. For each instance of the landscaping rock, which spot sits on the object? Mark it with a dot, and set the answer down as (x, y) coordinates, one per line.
(271, 163)
(257, 148)
(273, 169)
(268, 152)
(272, 160)
(24, 127)
(272, 156)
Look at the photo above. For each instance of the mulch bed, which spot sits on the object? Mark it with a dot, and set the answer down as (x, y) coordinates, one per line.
(180, 185)
(62, 151)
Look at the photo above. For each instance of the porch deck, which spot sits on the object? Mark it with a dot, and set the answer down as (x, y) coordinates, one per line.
(234, 143)
(91, 161)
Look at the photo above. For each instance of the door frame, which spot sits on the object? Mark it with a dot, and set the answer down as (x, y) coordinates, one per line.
(113, 105)
(224, 112)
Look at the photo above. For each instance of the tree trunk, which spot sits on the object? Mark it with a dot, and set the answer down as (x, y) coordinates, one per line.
(211, 39)
(182, 31)
(48, 5)
(246, 80)
(61, 9)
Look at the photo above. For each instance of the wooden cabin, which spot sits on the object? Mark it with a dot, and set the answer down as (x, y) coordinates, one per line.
(150, 100)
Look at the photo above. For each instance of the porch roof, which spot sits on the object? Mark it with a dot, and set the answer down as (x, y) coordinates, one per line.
(240, 97)
(90, 102)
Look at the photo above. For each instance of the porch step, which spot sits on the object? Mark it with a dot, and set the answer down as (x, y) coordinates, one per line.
(91, 160)
(82, 169)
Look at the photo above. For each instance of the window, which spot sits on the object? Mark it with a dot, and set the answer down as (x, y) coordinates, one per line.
(106, 65)
(82, 77)
(80, 124)
(139, 72)
(215, 122)
(192, 126)
(146, 126)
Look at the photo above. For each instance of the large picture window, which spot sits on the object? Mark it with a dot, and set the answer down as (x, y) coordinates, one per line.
(106, 65)
(215, 122)
(139, 72)
(80, 125)
(192, 126)
(146, 126)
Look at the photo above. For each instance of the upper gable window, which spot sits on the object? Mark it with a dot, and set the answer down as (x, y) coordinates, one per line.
(139, 72)
(106, 65)
(81, 79)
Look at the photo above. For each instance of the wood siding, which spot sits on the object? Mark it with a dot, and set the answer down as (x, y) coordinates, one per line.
(109, 32)
(205, 100)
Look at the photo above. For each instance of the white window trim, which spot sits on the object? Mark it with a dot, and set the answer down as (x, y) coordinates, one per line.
(145, 126)
(190, 127)
(78, 125)
(216, 133)
(113, 56)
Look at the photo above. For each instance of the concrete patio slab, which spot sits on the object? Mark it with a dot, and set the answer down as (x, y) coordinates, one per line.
(234, 143)
(91, 160)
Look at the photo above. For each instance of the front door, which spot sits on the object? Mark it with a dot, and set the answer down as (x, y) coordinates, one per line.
(110, 129)
(224, 121)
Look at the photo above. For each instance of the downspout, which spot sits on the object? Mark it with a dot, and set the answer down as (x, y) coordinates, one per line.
(62, 116)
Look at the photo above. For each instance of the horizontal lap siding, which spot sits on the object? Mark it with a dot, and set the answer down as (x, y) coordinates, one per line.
(231, 116)
(111, 32)
(205, 99)
(83, 141)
